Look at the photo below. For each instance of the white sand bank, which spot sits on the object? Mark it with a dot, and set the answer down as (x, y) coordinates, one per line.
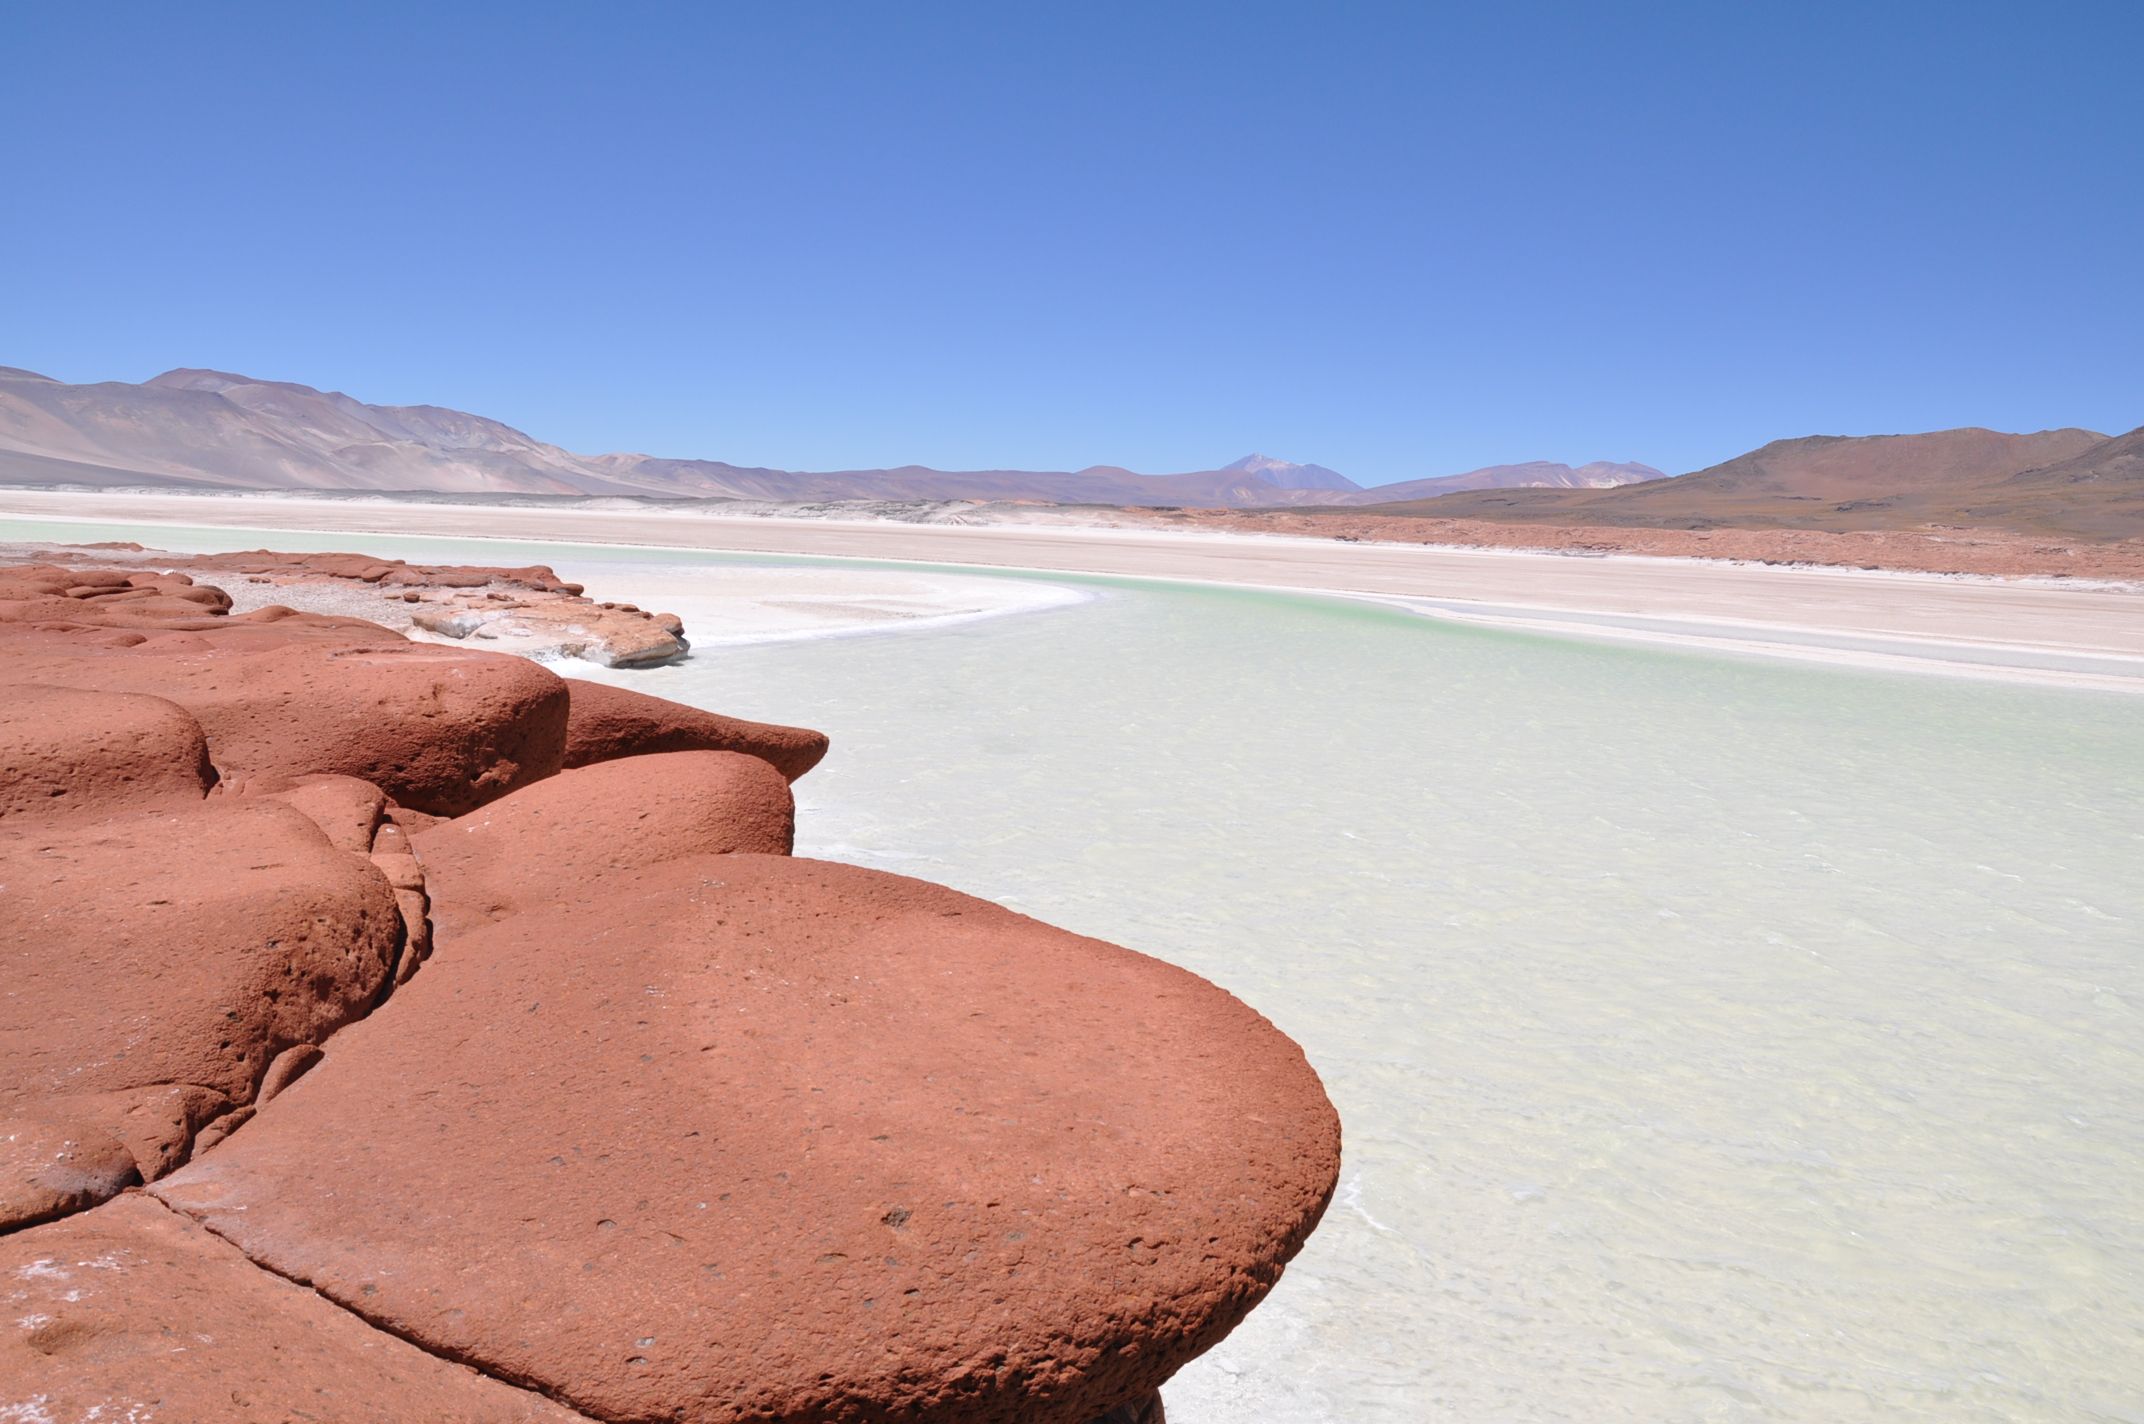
(724, 607)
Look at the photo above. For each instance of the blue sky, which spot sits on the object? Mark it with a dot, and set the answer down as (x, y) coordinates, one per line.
(1400, 240)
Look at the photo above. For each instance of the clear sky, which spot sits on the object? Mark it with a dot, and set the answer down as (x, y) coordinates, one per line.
(1401, 240)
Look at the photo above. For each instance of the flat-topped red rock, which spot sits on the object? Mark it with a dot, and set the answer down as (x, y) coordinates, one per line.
(155, 965)
(604, 723)
(67, 752)
(135, 1313)
(744, 1137)
(549, 840)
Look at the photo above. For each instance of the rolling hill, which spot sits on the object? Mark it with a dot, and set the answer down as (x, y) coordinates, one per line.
(2075, 483)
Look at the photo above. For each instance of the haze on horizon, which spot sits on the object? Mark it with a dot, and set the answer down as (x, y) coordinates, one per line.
(1392, 241)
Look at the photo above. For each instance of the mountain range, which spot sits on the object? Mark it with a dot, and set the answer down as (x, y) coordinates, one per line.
(212, 430)
(1534, 474)
(2070, 483)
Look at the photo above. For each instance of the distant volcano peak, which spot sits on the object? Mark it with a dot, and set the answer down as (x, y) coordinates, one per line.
(199, 378)
(1287, 474)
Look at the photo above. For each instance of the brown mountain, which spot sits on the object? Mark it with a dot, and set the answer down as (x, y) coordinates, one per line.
(2098, 494)
(2075, 483)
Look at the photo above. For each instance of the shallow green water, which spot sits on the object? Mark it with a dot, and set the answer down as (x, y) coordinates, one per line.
(1715, 1039)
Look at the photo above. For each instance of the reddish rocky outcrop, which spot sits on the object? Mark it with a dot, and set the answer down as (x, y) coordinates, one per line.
(671, 1126)
(744, 1137)
(288, 694)
(559, 836)
(51, 1169)
(199, 889)
(135, 1313)
(604, 723)
(435, 728)
(41, 593)
(348, 810)
(64, 751)
(368, 568)
(526, 610)
(156, 963)
(529, 611)
(605, 634)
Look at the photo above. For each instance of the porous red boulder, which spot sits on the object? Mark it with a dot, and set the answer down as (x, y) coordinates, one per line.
(64, 751)
(51, 1169)
(439, 729)
(39, 593)
(348, 811)
(745, 1137)
(604, 723)
(544, 840)
(133, 1312)
(153, 964)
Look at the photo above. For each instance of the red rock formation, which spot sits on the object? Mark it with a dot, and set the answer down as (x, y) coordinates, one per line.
(365, 568)
(605, 722)
(525, 610)
(743, 1137)
(598, 633)
(287, 694)
(135, 1313)
(348, 811)
(156, 962)
(438, 729)
(50, 1169)
(566, 832)
(49, 593)
(64, 751)
(673, 1126)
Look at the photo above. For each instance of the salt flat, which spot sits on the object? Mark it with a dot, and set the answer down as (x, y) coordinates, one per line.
(2036, 630)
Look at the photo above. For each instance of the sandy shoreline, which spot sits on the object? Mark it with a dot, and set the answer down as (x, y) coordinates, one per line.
(2034, 630)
